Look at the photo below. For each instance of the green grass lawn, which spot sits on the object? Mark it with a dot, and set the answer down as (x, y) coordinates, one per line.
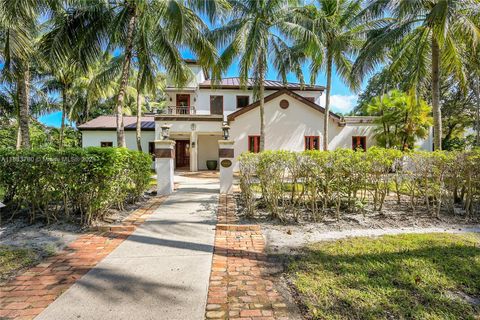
(12, 259)
(429, 276)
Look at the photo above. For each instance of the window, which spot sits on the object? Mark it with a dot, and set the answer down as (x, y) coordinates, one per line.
(311, 99)
(105, 144)
(359, 142)
(312, 143)
(242, 101)
(216, 104)
(151, 149)
(254, 144)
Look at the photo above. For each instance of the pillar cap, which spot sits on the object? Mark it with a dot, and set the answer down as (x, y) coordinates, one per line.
(165, 142)
(226, 142)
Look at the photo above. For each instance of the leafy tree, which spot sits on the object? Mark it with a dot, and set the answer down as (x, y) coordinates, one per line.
(254, 31)
(337, 36)
(419, 40)
(402, 119)
(89, 26)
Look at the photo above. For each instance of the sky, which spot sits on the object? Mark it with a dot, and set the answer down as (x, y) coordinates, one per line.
(342, 99)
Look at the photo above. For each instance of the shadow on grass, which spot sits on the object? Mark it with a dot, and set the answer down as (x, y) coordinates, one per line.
(395, 277)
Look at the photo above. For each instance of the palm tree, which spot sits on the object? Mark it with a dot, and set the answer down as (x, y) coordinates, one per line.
(255, 30)
(338, 35)
(18, 32)
(90, 26)
(417, 40)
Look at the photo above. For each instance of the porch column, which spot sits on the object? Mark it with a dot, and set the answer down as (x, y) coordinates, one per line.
(226, 155)
(164, 165)
(194, 151)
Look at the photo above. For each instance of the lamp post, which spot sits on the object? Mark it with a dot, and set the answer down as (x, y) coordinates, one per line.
(226, 131)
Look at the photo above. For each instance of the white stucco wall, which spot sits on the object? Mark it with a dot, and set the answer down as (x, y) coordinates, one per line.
(207, 150)
(286, 128)
(91, 138)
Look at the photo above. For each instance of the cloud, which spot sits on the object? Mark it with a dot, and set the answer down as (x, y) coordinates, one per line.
(341, 103)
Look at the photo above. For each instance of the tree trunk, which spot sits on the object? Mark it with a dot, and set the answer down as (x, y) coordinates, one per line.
(24, 112)
(437, 112)
(477, 120)
(327, 102)
(261, 96)
(64, 110)
(139, 120)
(125, 72)
(19, 137)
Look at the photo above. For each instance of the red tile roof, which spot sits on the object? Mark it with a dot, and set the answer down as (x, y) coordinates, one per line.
(110, 122)
(231, 83)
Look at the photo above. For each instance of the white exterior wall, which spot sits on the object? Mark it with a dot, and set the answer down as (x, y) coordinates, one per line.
(91, 138)
(207, 150)
(286, 128)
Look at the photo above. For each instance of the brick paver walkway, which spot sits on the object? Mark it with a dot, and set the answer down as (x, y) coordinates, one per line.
(240, 287)
(30, 293)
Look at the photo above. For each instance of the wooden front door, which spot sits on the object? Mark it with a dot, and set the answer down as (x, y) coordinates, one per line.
(182, 154)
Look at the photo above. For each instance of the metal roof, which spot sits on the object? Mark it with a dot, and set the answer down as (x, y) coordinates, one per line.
(110, 122)
(235, 82)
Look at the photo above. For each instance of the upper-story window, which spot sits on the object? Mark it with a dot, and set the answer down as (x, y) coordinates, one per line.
(254, 144)
(216, 104)
(183, 100)
(242, 101)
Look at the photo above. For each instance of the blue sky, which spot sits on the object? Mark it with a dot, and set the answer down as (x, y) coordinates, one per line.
(342, 99)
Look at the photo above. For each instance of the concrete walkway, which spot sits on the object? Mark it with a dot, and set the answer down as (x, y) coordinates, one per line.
(160, 272)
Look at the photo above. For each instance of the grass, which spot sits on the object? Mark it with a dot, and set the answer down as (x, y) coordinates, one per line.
(423, 276)
(13, 259)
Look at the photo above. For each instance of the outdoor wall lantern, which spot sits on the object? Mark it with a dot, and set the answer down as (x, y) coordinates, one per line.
(166, 131)
(193, 126)
(226, 131)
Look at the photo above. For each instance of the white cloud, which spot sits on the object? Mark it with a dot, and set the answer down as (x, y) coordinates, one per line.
(341, 103)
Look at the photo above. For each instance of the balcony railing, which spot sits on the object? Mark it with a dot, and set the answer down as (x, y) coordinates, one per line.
(179, 110)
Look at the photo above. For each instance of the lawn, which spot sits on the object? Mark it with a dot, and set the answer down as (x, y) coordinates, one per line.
(13, 259)
(428, 276)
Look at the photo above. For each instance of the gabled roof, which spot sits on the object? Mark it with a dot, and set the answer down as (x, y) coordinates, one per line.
(110, 123)
(313, 105)
(235, 83)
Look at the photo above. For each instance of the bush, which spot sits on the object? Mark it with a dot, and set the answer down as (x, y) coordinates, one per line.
(316, 182)
(87, 182)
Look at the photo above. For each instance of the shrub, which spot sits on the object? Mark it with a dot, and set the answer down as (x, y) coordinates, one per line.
(87, 182)
(315, 182)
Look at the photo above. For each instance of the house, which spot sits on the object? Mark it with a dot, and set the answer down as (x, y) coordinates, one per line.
(293, 115)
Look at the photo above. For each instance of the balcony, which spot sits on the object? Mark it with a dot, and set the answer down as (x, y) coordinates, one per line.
(179, 110)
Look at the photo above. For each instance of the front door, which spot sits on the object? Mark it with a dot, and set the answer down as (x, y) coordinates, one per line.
(182, 154)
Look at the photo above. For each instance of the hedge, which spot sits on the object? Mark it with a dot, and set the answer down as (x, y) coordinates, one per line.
(313, 183)
(82, 183)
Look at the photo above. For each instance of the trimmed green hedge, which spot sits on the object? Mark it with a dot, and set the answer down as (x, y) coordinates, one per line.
(313, 183)
(87, 182)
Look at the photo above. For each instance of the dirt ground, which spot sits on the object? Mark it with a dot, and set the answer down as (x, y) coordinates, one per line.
(285, 237)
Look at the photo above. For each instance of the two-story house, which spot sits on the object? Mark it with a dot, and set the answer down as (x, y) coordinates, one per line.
(293, 115)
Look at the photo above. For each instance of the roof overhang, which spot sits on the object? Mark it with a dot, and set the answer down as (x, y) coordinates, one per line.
(277, 94)
(198, 117)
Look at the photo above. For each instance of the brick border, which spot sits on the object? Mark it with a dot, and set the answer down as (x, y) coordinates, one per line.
(28, 294)
(240, 287)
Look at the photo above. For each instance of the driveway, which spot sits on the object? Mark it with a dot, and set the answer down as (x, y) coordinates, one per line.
(161, 271)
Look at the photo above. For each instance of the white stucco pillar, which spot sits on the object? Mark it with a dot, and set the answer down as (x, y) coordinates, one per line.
(194, 151)
(164, 165)
(226, 155)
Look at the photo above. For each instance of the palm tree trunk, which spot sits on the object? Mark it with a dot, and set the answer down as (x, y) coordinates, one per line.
(124, 79)
(24, 105)
(64, 110)
(477, 117)
(327, 102)
(261, 96)
(19, 137)
(139, 120)
(437, 112)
